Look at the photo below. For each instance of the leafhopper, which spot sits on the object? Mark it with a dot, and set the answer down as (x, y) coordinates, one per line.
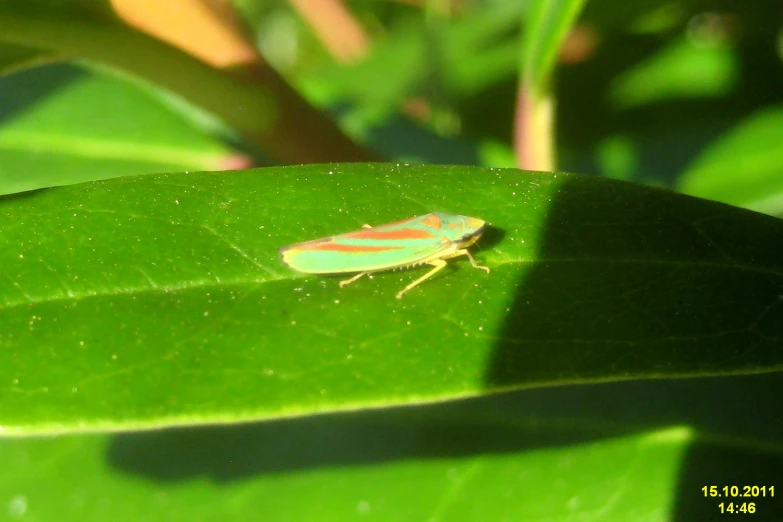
(428, 239)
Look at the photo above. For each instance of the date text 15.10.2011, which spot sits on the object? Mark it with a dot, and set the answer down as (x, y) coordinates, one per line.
(738, 491)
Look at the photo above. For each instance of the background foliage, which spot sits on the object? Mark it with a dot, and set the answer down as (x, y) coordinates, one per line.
(622, 355)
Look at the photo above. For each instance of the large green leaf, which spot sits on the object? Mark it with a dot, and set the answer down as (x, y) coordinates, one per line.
(159, 300)
(622, 451)
(343, 484)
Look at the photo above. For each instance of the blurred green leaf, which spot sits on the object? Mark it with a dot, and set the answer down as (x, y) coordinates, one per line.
(91, 30)
(62, 124)
(659, 18)
(461, 57)
(618, 157)
(159, 300)
(680, 70)
(743, 167)
(612, 17)
(548, 23)
(15, 57)
(482, 48)
(398, 61)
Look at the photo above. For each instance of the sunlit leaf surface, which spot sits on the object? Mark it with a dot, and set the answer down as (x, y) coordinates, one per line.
(159, 300)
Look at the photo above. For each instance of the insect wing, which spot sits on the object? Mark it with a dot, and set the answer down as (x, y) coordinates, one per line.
(403, 243)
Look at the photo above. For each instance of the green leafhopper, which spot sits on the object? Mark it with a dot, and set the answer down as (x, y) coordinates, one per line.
(428, 239)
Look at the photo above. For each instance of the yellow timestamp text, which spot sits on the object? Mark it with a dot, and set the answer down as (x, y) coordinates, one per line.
(737, 507)
(738, 491)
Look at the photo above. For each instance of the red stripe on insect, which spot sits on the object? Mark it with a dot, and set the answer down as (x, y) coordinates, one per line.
(337, 247)
(406, 233)
(432, 221)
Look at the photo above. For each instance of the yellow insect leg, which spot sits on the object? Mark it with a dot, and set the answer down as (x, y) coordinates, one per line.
(351, 280)
(437, 263)
(472, 261)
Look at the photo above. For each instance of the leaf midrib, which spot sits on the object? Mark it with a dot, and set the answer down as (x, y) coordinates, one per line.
(175, 287)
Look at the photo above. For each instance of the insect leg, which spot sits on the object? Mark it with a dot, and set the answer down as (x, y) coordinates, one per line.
(351, 280)
(437, 263)
(464, 252)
